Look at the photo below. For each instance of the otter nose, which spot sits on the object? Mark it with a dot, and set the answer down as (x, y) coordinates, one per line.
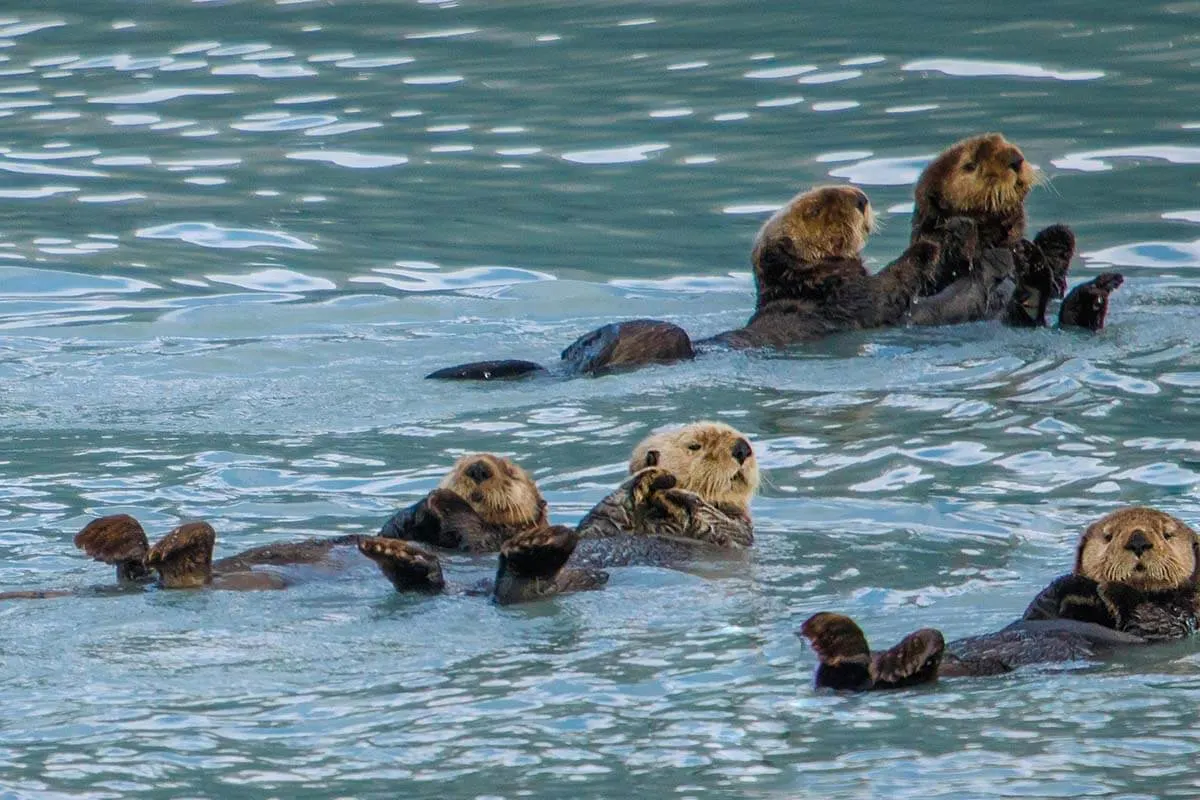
(862, 201)
(1017, 162)
(1138, 544)
(741, 450)
(478, 472)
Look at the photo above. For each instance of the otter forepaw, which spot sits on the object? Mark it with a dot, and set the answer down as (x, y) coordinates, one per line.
(1057, 244)
(427, 520)
(648, 482)
(410, 567)
(1087, 304)
(1035, 286)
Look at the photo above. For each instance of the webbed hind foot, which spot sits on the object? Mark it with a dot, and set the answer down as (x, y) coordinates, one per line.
(847, 663)
(183, 557)
(1087, 305)
(410, 567)
(117, 539)
(531, 563)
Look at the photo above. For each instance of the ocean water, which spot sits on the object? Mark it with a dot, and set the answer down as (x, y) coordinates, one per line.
(234, 236)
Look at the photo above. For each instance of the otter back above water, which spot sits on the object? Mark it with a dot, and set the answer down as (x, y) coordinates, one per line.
(237, 236)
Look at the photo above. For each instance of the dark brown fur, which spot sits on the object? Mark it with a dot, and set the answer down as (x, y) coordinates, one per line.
(847, 663)
(117, 539)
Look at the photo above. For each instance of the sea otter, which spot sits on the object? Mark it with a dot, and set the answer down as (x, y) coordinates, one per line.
(1136, 580)
(482, 501)
(983, 181)
(182, 559)
(688, 495)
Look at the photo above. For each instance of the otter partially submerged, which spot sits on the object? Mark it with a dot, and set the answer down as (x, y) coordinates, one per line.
(182, 559)
(1136, 581)
(688, 495)
(968, 260)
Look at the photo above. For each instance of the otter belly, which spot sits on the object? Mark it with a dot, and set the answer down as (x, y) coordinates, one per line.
(1031, 642)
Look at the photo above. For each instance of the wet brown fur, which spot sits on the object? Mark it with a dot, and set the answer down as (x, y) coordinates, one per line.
(507, 497)
(986, 178)
(701, 457)
(811, 245)
(1170, 563)
(117, 539)
(183, 557)
(847, 663)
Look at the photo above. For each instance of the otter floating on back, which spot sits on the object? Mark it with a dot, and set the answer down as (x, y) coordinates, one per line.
(182, 559)
(689, 494)
(810, 281)
(1136, 581)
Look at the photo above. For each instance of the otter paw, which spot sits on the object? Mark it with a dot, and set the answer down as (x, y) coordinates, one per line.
(1035, 286)
(113, 539)
(410, 567)
(960, 238)
(427, 520)
(648, 482)
(1087, 304)
(1057, 244)
(538, 553)
(183, 557)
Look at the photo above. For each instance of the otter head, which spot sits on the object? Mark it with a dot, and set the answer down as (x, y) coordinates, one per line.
(825, 222)
(981, 176)
(501, 493)
(1142, 547)
(711, 459)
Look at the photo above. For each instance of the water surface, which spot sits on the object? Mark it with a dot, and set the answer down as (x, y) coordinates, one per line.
(235, 235)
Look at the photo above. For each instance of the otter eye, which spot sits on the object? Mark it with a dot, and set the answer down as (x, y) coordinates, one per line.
(694, 446)
(1168, 534)
(969, 166)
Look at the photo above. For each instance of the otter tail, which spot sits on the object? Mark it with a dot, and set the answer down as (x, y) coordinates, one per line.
(119, 540)
(616, 347)
(410, 567)
(183, 557)
(848, 665)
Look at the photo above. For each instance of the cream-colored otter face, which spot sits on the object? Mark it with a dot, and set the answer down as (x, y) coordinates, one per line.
(499, 491)
(983, 174)
(711, 459)
(1142, 547)
(825, 222)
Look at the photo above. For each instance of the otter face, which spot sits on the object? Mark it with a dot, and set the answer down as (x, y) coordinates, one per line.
(711, 459)
(825, 222)
(1142, 547)
(499, 491)
(983, 174)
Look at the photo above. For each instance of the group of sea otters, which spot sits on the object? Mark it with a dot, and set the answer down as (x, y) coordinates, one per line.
(1136, 577)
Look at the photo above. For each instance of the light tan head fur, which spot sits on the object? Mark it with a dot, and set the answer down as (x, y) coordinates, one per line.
(825, 222)
(711, 459)
(1142, 547)
(499, 491)
(983, 174)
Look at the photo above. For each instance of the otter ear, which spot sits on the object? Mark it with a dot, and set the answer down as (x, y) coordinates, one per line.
(651, 458)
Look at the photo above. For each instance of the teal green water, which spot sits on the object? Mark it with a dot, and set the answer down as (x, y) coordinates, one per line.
(234, 235)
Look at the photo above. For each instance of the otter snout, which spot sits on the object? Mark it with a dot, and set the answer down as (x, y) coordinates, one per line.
(741, 450)
(1016, 162)
(478, 472)
(1138, 544)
